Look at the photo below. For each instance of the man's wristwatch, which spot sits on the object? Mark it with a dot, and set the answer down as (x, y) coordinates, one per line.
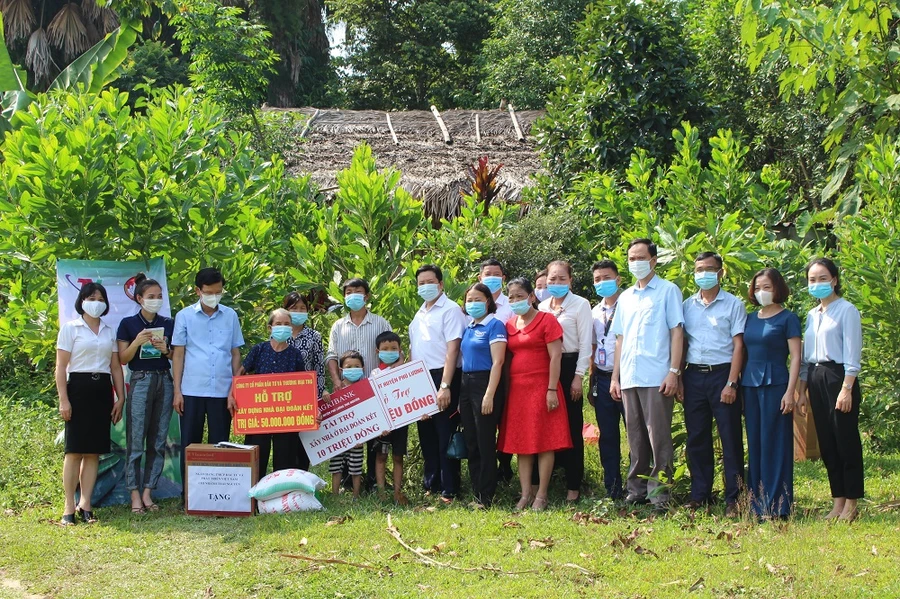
(444, 385)
(732, 384)
(675, 371)
(847, 387)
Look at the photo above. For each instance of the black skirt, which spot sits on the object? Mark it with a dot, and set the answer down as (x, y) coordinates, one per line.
(91, 397)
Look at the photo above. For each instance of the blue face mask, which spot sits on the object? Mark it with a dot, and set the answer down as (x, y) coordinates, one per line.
(820, 290)
(355, 301)
(388, 357)
(706, 280)
(493, 283)
(429, 291)
(558, 291)
(520, 308)
(299, 318)
(541, 294)
(476, 309)
(281, 333)
(606, 288)
(352, 374)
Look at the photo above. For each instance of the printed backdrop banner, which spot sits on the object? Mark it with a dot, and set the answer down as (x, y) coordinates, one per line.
(118, 279)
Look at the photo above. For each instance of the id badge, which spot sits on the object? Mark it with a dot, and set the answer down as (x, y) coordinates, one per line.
(601, 357)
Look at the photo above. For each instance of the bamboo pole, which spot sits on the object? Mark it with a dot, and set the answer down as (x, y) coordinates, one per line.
(309, 123)
(515, 122)
(477, 129)
(391, 127)
(437, 115)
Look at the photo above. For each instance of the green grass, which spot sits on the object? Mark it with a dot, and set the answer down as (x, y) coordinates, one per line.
(482, 554)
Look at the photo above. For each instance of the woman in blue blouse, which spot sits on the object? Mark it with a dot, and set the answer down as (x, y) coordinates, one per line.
(271, 357)
(483, 349)
(832, 344)
(772, 336)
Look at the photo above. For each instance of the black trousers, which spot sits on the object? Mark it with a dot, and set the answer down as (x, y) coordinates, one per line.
(480, 431)
(212, 411)
(283, 447)
(838, 432)
(702, 404)
(572, 459)
(440, 474)
(609, 414)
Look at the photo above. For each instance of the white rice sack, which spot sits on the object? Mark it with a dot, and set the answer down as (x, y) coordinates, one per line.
(295, 501)
(282, 482)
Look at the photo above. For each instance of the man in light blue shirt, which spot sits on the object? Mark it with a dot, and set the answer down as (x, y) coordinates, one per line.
(649, 346)
(205, 356)
(714, 334)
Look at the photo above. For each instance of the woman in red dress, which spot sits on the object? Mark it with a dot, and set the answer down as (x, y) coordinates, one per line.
(534, 420)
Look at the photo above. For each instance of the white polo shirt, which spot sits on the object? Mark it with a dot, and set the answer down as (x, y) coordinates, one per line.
(89, 352)
(432, 329)
(504, 312)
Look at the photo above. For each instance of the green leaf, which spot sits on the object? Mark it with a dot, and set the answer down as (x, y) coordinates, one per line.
(97, 67)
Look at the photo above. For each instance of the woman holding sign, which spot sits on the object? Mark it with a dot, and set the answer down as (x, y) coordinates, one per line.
(273, 357)
(87, 370)
(483, 350)
(534, 420)
(143, 341)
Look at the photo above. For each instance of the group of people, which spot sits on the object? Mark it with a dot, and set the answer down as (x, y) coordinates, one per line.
(509, 369)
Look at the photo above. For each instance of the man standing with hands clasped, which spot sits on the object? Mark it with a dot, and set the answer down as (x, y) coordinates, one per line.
(714, 336)
(649, 345)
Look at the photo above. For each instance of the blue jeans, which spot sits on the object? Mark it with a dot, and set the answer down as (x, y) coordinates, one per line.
(147, 415)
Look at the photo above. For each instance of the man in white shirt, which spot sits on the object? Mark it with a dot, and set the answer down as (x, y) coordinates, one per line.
(609, 412)
(435, 334)
(494, 277)
(649, 344)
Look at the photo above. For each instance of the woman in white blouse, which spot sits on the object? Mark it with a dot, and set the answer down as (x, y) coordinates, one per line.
(832, 347)
(573, 313)
(86, 352)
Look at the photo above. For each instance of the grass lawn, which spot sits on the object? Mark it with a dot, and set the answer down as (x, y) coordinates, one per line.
(601, 552)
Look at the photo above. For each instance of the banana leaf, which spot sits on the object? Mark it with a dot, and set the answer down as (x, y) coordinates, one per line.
(98, 66)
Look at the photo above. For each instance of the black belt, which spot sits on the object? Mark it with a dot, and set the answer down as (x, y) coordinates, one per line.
(603, 373)
(570, 355)
(96, 376)
(708, 367)
(830, 363)
(166, 371)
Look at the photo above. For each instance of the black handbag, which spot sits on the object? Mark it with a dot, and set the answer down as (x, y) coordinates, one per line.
(456, 449)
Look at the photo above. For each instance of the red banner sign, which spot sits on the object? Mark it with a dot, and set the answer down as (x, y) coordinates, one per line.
(275, 403)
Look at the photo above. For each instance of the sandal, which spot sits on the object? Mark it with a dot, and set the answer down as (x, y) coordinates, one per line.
(540, 504)
(849, 517)
(137, 510)
(523, 503)
(67, 520)
(86, 516)
(151, 507)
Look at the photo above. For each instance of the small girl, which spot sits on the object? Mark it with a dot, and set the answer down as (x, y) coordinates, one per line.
(390, 356)
(352, 369)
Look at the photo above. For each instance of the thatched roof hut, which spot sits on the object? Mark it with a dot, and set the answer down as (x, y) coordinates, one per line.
(433, 171)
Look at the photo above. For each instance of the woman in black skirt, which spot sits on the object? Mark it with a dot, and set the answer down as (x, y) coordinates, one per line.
(86, 351)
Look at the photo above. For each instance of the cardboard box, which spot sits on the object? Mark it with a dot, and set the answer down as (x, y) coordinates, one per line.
(219, 478)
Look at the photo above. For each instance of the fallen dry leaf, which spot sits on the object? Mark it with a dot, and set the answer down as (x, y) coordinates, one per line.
(725, 535)
(585, 518)
(541, 543)
(642, 551)
(874, 550)
(518, 548)
(512, 524)
(772, 569)
(338, 520)
(696, 586)
(586, 555)
(394, 557)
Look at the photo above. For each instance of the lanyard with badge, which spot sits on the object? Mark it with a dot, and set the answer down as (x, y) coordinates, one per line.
(601, 345)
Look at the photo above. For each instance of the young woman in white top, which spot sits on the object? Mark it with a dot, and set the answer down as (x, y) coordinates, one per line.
(86, 351)
(573, 313)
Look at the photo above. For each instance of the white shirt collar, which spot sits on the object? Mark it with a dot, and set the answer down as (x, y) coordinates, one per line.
(438, 303)
(79, 322)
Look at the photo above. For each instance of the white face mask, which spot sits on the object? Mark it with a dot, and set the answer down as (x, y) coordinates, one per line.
(211, 300)
(93, 308)
(152, 305)
(639, 268)
(764, 298)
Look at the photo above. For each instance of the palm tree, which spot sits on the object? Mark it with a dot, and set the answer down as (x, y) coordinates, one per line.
(46, 35)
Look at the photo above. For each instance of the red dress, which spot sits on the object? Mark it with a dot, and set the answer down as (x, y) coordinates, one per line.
(527, 427)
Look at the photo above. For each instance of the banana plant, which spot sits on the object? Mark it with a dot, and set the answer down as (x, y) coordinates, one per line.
(93, 70)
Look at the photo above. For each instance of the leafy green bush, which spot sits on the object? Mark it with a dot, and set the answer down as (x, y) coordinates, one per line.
(84, 178)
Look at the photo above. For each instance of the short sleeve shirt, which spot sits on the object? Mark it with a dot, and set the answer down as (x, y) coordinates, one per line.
(89, 352)
(710, 328)
(432, 329)
(131, 326)
(207, 342)
(477, 340)
(263, 359)
(766, 340)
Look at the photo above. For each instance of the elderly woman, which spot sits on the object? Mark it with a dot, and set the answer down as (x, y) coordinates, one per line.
(87, 370)
(272, 357)
(832, 347)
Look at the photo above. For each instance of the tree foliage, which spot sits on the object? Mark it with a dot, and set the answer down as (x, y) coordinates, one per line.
(847, 54)
(413, 53)
(627, 85)
(526, 36)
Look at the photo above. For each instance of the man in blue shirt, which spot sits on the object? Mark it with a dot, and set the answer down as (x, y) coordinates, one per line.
(649, 345)
(205, 356)
(714, 336)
